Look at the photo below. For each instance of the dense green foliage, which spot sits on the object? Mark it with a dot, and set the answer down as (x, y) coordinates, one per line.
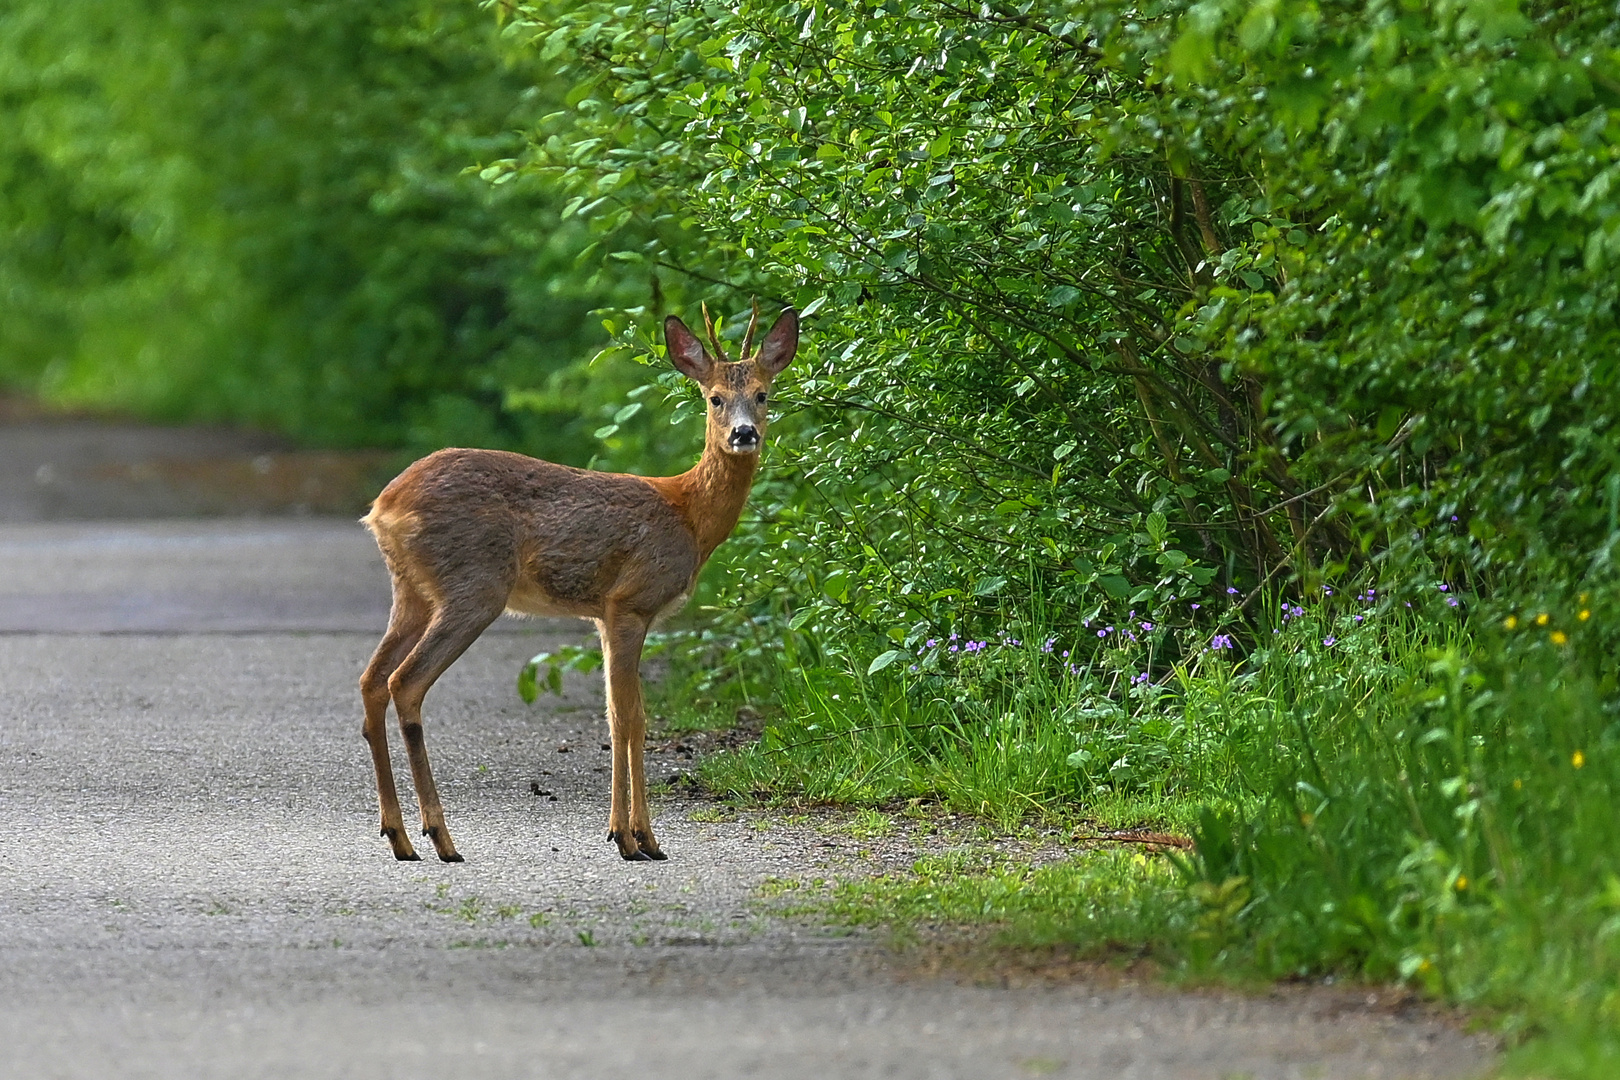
(1072, 261)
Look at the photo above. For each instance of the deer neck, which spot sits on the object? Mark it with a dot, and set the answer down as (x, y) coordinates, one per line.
(715, 491)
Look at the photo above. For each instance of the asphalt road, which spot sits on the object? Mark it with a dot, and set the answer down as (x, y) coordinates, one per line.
(191, 884)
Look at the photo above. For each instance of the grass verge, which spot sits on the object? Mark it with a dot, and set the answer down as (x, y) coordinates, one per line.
(1375, 791)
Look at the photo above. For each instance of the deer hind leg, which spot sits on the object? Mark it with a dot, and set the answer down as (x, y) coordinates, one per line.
(406, 622)
(447, 636)
(629, 821)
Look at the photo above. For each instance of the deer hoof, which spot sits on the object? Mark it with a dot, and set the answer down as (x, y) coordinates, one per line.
(650, 849)
(454, 856)
(628, 851)
(401, 847)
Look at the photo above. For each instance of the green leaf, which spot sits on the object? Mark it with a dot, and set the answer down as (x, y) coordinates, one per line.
(527, 689)
(1115, 585)
(884, 660)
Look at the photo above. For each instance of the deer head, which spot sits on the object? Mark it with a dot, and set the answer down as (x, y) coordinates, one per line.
(738, 392)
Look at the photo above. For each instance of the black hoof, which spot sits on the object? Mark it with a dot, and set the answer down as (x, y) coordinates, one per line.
(454, 856)
(655, 856)
(635, 856)
(409, 856)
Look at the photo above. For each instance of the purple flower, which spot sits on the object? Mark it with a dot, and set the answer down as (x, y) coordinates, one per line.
(1138, 680)
(953, 648)
(1100, 633)
(1221, 641)
(1195, 607)
(1358, 618)
(1445, 588)
(953, 636)
(1453, 601)
(1053, 641)
(1147, 626)
(1231, 591)
(1330, 641)
(931, 642)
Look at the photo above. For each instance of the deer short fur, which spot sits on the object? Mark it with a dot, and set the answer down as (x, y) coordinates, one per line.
(468, 534)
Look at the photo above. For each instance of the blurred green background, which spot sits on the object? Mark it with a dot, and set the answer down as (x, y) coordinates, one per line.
(258, 213)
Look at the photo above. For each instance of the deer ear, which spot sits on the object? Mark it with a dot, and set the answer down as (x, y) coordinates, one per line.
(776, 351)
(686, 351)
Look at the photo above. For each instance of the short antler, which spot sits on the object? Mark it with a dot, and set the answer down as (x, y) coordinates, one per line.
(714, 339)
(748, 338)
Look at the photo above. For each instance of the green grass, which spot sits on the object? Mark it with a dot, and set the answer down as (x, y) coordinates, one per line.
(1394, 797)
(1137, 732)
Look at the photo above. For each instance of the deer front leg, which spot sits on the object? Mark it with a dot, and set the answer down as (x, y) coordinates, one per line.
(629, 823)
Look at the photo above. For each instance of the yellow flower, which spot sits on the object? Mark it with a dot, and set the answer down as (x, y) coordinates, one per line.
(1577, 759)
(1462, 882)
(1518, 785)
(1559, 637)
(1511, 621)
(1585, 614)
(1541, 620)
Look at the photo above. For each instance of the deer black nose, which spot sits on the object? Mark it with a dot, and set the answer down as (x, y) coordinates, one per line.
(744, 435)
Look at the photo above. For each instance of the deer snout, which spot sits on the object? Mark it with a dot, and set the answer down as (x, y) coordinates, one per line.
(744, 437)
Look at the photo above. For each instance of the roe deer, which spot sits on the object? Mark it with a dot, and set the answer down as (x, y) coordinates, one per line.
(468, 534)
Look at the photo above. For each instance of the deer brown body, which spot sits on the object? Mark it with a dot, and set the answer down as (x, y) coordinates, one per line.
(469, 534)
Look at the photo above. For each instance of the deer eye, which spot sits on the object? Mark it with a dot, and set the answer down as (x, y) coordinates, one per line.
(715, 401)
(760, 397)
